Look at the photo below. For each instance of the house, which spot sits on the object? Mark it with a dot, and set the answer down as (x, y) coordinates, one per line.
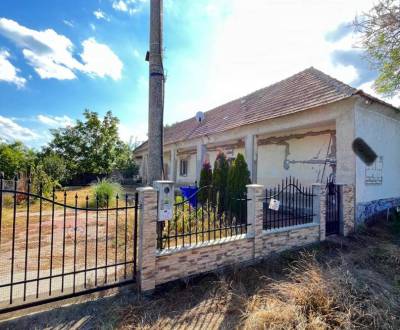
(303, 127)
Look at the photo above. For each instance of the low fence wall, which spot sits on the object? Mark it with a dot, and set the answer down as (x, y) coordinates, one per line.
(160, 266)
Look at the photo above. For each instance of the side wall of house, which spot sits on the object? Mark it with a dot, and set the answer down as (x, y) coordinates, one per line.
(307, 154)
(377, 186)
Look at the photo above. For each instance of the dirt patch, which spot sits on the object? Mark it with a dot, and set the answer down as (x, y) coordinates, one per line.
(344, 283)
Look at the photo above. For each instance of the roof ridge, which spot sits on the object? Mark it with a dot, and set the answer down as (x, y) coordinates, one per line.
(333, 82)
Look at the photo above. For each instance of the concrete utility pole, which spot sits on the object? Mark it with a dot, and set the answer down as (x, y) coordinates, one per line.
(156, 93)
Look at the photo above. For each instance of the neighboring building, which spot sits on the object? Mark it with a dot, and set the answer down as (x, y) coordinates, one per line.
(303, 127)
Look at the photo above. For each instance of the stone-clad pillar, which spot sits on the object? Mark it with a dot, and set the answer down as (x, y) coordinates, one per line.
(319, 202)
(255, 194)
(347, 209)
(147, 238)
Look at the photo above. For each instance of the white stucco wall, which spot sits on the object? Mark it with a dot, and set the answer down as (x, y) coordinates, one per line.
(191, 173)
(379, 126)
(306, 157)
(212, 155)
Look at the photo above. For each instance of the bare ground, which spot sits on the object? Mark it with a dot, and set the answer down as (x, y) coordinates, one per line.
(341, 284)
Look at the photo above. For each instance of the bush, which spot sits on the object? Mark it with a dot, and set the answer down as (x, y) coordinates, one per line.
(42, 182)
(104, 191)
(238, 178)
(220, 179)
(205, 180)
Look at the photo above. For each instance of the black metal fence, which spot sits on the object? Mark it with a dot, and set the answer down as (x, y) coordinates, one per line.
(61, 246)
(288, 204)
(195, 220)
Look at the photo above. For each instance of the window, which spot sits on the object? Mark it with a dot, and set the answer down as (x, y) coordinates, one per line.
(183, 167)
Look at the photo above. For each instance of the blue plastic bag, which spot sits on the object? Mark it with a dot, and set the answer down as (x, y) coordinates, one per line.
(190, 192)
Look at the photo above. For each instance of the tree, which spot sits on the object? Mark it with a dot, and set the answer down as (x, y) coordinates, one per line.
(380, 37)
(220, 179)
(54, 166)
(205, 183)
(15, 158)
(91, 146)
(238, 178)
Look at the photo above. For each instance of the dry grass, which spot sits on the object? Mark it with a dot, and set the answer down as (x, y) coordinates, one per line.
(352, 283)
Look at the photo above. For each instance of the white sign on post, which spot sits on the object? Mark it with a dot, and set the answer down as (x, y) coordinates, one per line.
(274, 204)
(166, 211)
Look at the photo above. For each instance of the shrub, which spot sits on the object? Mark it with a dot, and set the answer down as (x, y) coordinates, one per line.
(238, 178)
(205, 180)
(104, 190)
(219, 180)
(42, 182)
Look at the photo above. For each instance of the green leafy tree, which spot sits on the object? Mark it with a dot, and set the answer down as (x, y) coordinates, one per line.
(220, 179)
(41, 182)
(238, 178)
(54, 166)
(205, 183)
(91, 146)
(380, 37)
(15, 158)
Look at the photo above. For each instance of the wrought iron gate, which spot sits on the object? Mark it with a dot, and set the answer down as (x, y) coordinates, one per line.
(59, 246)
(332, 208)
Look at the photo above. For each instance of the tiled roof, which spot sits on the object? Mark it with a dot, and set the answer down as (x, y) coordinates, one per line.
(307, 89)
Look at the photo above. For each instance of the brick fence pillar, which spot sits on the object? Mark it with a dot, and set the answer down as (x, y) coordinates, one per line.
(347, 224)
(147, 238)
(319, 208)
(255, 194)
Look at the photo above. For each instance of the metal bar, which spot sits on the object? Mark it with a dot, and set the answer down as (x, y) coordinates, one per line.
(86, 239)
(97, 236)
(52, 239)
(116, 238)
(63, 253)
(27, 237)
(13, 239)
(126, 232)
(135, 234)
(40, 240)
(75, 238)
(54, 299)
(106, 261)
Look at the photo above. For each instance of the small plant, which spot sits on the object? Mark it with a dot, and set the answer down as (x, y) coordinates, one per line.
(103, 191)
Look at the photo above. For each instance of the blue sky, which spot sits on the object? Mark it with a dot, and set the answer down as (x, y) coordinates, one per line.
(58, 58)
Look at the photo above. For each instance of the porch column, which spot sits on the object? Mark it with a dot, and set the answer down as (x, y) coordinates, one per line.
(249, 154)
(200, 155)
(173, 165)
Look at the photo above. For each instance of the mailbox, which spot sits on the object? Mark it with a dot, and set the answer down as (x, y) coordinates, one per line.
(166, 199)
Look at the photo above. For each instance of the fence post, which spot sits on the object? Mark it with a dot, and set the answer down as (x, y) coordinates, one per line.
(147, 239)
(319, 210)
(255, 194)
(347, 216)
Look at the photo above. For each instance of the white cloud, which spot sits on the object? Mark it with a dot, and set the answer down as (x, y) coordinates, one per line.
(120, 5)
(8, 72)
(129, 133)
(108, 64)
(128, 6)
(101, 15)
(10, 131)
(68, 23)
(238, 48)
(51, 54)
(55, 121)
(136, 53)
(92, 26)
